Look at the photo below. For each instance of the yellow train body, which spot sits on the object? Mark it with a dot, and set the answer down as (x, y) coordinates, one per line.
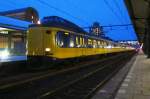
(42, 41)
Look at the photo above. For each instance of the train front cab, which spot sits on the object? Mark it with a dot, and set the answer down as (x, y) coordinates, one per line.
(40, 44)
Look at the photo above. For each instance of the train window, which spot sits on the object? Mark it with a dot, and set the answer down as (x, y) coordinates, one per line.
(85, 41)
(102, 44)
(105, 44)
(72, 40)
(59, 39)
(63, 39)
(94, 44)
(66, 39)
(90, 43)
(99, 44)
(77, 41)
(81, 43)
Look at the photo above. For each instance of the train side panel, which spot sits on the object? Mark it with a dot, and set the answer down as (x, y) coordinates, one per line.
(42, 42)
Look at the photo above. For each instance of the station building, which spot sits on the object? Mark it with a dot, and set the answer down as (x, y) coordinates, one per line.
(13, 28)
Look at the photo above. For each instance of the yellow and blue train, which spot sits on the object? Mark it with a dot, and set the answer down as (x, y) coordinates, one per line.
(57, 39)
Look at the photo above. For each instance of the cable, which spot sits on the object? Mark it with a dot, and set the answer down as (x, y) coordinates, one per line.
(116, 13)
(77, 6)
(106, 2)
(62, 11)
(117, 5)
(9, 4)
(117, 25)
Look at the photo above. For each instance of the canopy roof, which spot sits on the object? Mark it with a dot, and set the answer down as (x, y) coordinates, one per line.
(138, 10)
(12, 23)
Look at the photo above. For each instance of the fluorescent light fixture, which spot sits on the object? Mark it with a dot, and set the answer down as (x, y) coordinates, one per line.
(1, 28)
(4, 54)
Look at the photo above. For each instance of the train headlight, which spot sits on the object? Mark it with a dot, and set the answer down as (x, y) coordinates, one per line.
(47, 49)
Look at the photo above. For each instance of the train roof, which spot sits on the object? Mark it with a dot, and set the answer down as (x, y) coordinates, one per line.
(55, 21)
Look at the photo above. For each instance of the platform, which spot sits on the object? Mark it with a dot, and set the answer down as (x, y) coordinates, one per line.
(136, 85)
(13, 58)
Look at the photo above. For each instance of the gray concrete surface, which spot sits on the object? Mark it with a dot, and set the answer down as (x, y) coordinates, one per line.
(136, 85)
(108, 91)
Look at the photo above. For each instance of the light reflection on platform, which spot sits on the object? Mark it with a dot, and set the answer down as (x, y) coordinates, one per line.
(13, 58)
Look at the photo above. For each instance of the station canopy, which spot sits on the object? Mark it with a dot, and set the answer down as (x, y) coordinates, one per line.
(139, 13)
(11, 23)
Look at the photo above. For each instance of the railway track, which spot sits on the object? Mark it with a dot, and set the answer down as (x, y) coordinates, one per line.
(85, 86)
(50, 86)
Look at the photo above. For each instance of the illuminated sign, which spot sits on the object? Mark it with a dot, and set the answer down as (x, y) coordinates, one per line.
(3, 32)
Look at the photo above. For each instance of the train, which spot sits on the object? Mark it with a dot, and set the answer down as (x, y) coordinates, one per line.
(56, 40)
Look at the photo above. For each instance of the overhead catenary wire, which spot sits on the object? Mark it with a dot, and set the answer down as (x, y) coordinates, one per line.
(61, 11)
(116, 25)
(108, 28)
(110, 7)
(9, 4)
(82, 9)
(119, 9)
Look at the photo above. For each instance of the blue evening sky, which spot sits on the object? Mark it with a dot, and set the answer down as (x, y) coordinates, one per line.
(83, 13)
